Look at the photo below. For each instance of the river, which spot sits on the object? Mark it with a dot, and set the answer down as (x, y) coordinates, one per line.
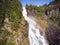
(34, 34)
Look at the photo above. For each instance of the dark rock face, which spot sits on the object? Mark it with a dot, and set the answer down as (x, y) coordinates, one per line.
(53, 34)
(2, 13)
(2, 1)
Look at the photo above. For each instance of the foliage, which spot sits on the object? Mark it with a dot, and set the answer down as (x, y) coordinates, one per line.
(46, 10)
(11, 9)
(3, 38)
(38, 10)
(3, 41)
(14, 12)
(10, 43)
(4, 34)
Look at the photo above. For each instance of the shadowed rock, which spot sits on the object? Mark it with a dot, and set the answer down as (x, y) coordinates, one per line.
(53, 34)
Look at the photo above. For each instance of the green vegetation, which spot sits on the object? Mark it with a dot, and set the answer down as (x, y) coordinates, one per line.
(49, 10)
(51, 17)
(11, 9)
(3, 36)
(12, 23)
(37, 10)
(10, 43)
(14, 13)
(3, 41)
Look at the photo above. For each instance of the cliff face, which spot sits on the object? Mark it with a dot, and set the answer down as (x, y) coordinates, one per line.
(47, 18)
(13, 27)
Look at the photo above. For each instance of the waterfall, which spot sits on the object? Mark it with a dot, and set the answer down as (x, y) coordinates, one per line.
(34, 34)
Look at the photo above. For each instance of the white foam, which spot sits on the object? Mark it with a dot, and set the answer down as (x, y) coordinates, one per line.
(35, 38)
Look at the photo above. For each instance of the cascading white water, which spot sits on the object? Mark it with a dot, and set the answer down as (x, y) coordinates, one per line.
(35, 37)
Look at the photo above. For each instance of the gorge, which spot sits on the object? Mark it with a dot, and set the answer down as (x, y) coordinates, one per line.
(25, 23)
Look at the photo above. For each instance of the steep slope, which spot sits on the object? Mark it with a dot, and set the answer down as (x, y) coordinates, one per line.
(48, 19)
(13, 27)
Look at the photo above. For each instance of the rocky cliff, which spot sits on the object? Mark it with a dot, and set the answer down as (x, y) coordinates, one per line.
(13, 27)
(47, 18)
